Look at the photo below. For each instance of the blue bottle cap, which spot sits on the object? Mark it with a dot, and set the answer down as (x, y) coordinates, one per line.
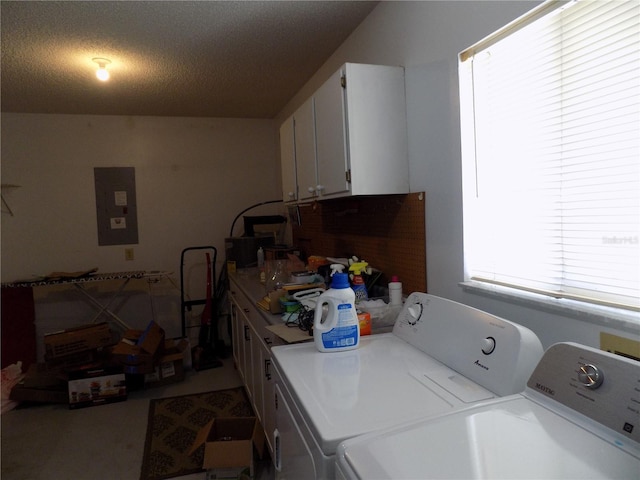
(340, 280)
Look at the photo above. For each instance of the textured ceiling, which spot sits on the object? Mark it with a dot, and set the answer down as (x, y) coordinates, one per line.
(171, 58)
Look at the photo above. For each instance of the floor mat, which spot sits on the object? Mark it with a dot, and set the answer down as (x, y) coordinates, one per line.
(173, 424)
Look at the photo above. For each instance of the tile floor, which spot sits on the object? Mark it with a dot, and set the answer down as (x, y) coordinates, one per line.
(97, 443)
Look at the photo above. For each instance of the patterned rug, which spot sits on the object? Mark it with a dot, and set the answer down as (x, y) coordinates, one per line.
(173, 425)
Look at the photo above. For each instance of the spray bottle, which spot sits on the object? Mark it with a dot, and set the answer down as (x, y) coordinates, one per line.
(336, 268)
(341, 329)
(358, 286)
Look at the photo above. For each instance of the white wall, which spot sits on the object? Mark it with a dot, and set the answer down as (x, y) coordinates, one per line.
(193, 176)
(425, 38)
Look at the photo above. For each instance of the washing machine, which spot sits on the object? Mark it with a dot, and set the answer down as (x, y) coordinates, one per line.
(440, 356)
(578, 418)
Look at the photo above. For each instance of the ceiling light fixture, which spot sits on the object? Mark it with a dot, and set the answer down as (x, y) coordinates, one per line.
(102, 73)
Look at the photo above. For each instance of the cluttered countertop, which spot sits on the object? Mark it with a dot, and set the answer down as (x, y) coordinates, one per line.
(267, 301)
(248, 281)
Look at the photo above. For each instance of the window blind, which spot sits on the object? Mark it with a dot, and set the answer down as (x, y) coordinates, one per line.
(550, 117)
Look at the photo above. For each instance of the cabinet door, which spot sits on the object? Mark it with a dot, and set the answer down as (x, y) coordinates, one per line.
(235, 337)
(242, 348)
(268, 385)
(292, 456)
(377, 132)
(288, 161)
(257, 378)
(305, 150)
(241, 338)
(268, 392)
(331, 137)
(247, 352)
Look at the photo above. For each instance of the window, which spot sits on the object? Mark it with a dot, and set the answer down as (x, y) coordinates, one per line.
(550, 118)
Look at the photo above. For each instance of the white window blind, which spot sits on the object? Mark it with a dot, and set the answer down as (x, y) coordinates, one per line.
(550, 114)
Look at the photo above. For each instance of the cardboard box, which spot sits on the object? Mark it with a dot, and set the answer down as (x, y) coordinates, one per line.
(76, 340)
(21, 393)
(40, 385)
(78, 361)
(274, 300)
(99, 386)
(238, 473)
(171, 365)
(228, 445)
(138, 351)
(40, 376)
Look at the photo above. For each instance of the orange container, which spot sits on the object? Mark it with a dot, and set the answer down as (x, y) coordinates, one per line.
(315, 261)
(365, 323)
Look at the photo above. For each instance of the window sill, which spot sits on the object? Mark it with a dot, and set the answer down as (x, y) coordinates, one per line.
(618, 319)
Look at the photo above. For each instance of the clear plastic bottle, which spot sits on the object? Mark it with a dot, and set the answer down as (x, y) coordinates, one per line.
(341, 329)
(260, 255)
(278, 277)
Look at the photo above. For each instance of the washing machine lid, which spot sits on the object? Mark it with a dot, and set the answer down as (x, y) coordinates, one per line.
(384, 382)
(511, 438)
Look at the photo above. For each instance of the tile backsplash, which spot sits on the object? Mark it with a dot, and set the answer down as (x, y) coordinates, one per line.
(387, 231)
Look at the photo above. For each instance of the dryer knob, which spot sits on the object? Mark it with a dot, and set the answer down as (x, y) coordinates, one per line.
(590, 376)
(488, 345)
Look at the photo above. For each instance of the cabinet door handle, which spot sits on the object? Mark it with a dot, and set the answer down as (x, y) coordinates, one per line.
(246, 310)
(267, 364)
(319, 188)
(268, 340)
(246, 333)
(311, 190)
(276, 447)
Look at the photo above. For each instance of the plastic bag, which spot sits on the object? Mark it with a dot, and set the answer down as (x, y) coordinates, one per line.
(11, 375)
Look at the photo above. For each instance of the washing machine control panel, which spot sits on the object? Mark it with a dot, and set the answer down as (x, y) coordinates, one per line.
(493, 352)
(601, 385)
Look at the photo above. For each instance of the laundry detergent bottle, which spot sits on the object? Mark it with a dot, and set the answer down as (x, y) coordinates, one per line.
(340, 330)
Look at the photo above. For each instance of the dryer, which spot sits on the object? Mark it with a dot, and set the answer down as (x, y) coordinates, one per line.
(578, 418)
(440, 356)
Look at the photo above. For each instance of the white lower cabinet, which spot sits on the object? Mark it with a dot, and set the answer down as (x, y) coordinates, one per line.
(265, 366)
(292, 457)
(251, 343)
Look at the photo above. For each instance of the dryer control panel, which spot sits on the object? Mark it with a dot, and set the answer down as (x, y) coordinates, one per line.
(601, 385)
(497, 354)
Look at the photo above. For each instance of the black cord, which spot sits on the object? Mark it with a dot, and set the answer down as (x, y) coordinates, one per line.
(304, 319)
(246, 210)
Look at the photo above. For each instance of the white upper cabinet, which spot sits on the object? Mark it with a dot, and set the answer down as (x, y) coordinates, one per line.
(351, 135)
(332, 157)
(288, 161)
(304, 120)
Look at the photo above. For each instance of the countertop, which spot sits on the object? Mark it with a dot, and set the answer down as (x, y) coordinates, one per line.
(247, 280)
